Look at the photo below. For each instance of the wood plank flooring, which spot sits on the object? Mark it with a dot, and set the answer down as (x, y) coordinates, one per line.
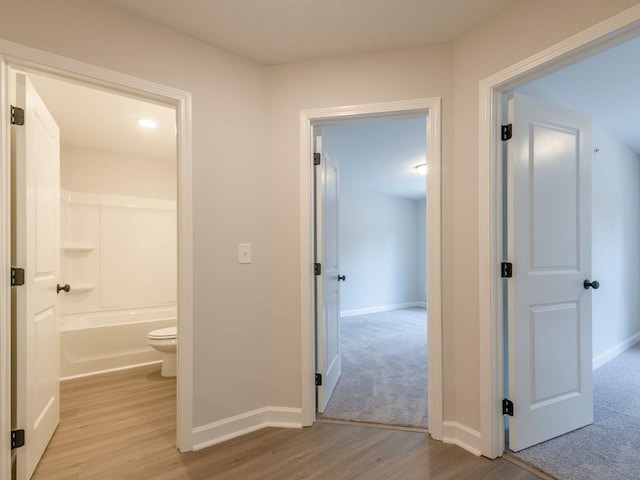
(122, 426)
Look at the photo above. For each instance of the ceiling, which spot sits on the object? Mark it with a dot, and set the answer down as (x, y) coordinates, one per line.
(606, 86)
(380, 155)
(279, 31)
(98, 119)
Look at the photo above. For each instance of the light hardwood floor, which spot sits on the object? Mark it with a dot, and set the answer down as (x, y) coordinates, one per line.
(122, 426)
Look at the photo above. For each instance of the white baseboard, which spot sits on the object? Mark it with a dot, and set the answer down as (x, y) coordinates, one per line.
(381, 308)
(462, 436)
(615, 351)
(109, 370)
(223, 430)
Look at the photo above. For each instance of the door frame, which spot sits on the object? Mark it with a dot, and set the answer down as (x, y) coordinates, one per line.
(30, 59)
(605, 34)
(431, 108)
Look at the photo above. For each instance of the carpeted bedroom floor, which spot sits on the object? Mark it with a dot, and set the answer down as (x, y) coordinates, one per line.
(609, 449)
(384, 369)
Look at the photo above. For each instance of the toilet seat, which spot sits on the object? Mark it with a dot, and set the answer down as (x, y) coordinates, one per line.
(163, 334)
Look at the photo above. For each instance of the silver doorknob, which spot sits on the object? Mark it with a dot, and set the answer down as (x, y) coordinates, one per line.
(66, 288)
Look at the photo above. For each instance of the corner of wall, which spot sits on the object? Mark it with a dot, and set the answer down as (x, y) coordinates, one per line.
(464, 437)
(238, 425)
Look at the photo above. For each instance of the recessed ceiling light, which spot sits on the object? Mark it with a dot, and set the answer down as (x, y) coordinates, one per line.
(147, 123)
(421, 169)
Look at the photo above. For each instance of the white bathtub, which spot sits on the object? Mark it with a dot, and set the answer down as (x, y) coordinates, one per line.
(101, 342)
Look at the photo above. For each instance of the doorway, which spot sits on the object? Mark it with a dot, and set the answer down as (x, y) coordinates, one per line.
(614, 31)
(430, 109)
(381, 268)
(30, 60)
(102, 224)
(591, 87)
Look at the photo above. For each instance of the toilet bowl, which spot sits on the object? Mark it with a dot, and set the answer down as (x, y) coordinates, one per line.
(165, 341)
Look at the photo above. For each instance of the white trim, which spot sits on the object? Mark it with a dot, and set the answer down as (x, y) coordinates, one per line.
(110, 370)
(5, 287)
(223, 430)
(613, 352)
(431, 107)
(604, 34)
(30, 59)
(462, 436)
(381, 308)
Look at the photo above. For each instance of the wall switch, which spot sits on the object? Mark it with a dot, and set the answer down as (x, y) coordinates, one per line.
(244, 253)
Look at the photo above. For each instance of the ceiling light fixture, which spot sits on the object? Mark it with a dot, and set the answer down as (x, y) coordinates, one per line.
(421, 169)
(147, 123)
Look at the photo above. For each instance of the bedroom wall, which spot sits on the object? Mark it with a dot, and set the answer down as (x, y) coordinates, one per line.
(379, 237)
(421, 257)
(615, 246)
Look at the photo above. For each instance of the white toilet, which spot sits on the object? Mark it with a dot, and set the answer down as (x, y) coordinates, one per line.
(165, 340)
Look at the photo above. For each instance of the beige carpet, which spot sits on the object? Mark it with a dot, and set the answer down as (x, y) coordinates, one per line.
(384, 369)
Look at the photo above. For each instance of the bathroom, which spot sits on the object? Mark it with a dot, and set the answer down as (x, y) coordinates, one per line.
(117, 228)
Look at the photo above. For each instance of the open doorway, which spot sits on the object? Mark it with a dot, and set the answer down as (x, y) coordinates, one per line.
(103, 226)
(598, 88)
(381, 252)
(311, 357)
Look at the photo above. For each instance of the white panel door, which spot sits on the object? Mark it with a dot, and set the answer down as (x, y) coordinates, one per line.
(327, 287)
(36, 227)
(549, 171)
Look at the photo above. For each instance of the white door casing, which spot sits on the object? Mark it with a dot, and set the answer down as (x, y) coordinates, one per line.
(36, 227)
(549, 244)
(329, 363)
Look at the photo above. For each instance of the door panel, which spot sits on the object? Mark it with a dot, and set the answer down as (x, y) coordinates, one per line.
(329, 362)
(35, 225)
(549, 228)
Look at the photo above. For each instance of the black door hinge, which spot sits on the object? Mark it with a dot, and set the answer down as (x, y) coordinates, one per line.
(318, 379)
(317, 269)
(507, 132)
(317, 158)
(17, 115)
(506, 270)
(17, 277)
(507, 407)
(17, 439)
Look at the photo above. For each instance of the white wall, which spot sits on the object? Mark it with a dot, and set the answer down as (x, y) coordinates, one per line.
(378, 251)
(117, 252)
(452, 72)
(616, 246)
(351, 80)
(124, 207)
(114, 173)
(246, 176)
(230, 197)
(421, 257)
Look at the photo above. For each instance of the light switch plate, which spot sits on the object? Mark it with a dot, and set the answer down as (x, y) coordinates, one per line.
(244, 253)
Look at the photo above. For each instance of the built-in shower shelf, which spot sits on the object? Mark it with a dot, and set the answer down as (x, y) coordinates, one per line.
(78, 248)
(81, 288)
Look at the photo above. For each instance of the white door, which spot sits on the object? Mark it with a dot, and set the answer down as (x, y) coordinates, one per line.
(549, 244)
(328, 361)
(36, 248)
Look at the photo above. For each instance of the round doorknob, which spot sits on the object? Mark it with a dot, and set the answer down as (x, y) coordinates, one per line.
(341, 278)
(66, 288)
(589, 284)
